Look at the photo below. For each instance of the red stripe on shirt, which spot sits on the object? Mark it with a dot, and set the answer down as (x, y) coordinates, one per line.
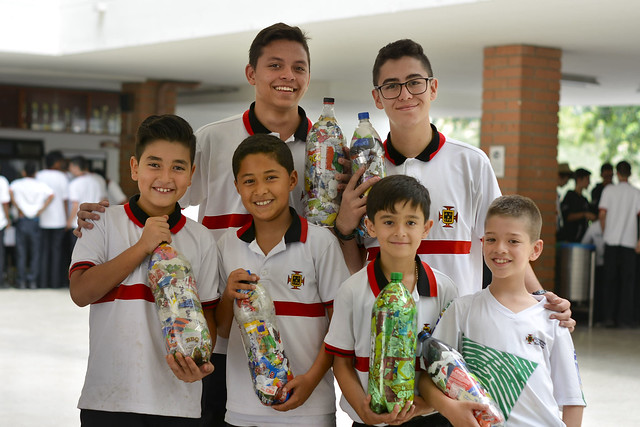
(139, 291)
(225, 221)
(338, 351)
(432, 247)
(286, 308)
(82, 265)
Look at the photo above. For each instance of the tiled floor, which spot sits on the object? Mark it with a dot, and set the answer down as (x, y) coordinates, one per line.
(44, 344)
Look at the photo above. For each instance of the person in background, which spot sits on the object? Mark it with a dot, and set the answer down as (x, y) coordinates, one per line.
(575, 208)
(594, 236)
(31, 198)
(5, 221)
(83, 188)
(564, 175)
(606, 173)
(53, 221)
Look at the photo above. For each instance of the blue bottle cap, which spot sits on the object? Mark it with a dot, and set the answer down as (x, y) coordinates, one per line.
(364, 115)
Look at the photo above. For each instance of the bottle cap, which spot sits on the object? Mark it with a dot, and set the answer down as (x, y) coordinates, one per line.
(396, 276)
(364, 115)
(328, 100)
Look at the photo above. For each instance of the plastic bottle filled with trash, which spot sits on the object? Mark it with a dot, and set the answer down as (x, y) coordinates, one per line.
(448, 370)
(367, 152)
(325, 145)
(268, 365)
(179, 309)
(393, 347)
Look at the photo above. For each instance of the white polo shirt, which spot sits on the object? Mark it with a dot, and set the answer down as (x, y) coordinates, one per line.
(462, 185)
(30, 195)
(84, 189)
(528, 360)
(5, 197)
(350, 330)
(55, 215)
(127, 370)
(622, 203)
(302, 275)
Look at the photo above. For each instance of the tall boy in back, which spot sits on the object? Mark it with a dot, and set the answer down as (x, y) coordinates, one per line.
(525, 359)
(301, 266)
(398, 215)
(130, 380)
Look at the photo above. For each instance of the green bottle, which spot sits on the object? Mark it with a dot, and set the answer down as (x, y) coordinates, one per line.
(393, 347)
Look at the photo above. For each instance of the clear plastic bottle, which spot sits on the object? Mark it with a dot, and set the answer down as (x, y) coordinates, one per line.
(366, 151)
(393, 347)
(325, 145)
(449, 372)
(268, 365)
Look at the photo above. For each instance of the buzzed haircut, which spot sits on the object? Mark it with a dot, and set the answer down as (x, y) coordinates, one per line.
(397, 50)
(261, 143)
(167, 127)
(388, 192)
(53, 157)
(520, 207)
(624, 169)
(81, 162)
(279, 31)
(30, 168)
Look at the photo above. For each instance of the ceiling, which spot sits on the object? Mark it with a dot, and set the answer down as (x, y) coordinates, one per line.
(598, 39)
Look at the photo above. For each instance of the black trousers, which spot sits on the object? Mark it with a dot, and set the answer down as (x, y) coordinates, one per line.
(619, 281)
(90, 418)
(435, 420)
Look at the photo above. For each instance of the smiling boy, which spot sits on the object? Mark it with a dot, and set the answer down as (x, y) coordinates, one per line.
(301, 266)
(130, 379)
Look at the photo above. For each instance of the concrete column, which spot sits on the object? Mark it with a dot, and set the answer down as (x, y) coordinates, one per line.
(521, 90)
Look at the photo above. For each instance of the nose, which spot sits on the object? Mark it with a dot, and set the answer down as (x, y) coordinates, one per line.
(404, 92)
(287, 73)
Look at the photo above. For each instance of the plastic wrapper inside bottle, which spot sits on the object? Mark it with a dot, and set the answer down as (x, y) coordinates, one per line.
(448, 370)
(393, 349)
(178, 306)
(268, 365)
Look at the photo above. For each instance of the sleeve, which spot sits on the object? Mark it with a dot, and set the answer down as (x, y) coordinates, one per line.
(115, 192)
(208, 276)
(488, 191)
(91, 249)
(448, 327)
(567, 386)
(222, 273)
(331, 269)
(73, 192)
(447, 292)
(198, 189)
(340, 339)
(605, 198)
(4, 190)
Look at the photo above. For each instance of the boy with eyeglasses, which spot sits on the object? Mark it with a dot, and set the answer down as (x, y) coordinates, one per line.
(460, 178)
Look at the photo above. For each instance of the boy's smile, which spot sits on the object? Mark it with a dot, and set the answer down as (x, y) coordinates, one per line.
(163, 174)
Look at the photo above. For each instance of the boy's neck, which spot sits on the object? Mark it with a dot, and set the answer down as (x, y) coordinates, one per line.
(149, 210)
(283, 122)
(406, 266)
(270, 233)
(512, 293)
(411, 141)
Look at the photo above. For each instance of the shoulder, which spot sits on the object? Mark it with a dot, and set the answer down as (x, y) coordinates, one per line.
(320, 236)
(215, 127)
(203, 233)
(446, 285)
(467, 150)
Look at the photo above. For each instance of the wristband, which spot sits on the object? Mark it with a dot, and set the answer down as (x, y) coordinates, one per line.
(341, 236)
(539, 292)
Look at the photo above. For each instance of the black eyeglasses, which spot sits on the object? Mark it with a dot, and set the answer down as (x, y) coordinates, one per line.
(414, 87)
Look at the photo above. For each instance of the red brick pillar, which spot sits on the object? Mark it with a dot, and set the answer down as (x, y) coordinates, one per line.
(140, 100)
(521, 90)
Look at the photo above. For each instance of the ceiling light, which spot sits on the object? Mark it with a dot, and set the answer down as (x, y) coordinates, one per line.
(579, 80)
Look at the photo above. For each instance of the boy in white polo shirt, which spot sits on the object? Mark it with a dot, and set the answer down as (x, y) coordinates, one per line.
(130, 379)
(301, 266)
(398, 215)
(31, 197)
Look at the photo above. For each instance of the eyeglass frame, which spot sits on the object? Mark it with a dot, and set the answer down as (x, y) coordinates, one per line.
(427, 80)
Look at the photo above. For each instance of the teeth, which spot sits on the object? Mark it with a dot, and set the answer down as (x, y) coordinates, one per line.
(501, 261)
(284, 88)
(266, 202)
(164, 190)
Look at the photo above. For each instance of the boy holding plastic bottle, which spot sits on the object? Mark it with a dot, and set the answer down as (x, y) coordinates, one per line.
(301, 266)
(398, 216)
(130, 379)
(522, 357)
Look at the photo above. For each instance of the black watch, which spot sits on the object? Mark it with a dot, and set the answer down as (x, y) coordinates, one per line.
(341, 236)
(539, 292)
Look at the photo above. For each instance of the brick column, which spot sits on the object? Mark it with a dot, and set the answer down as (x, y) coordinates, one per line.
(142, 100)
(521, 90)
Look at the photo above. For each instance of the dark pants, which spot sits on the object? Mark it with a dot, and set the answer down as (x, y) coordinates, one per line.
(619, 280)
(435, 420)
(51, 271)
(28, 242)
(89, 418)
(214, 393)
(2, 256)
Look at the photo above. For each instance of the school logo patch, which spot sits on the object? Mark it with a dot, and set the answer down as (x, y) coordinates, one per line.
(448, 216)
(530, 339)
(296, 280)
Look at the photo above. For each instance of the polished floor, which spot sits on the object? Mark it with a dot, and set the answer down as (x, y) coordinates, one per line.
(44, 345)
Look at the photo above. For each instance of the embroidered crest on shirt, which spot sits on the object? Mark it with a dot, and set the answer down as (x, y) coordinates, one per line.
(296, 280)
(448, 216)
(530, 339)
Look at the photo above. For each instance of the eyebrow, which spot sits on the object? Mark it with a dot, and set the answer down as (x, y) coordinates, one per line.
(155, 158)
(409, 77)
(277, 58)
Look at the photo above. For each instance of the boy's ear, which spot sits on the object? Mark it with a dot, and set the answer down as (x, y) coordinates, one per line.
(250, 74)
(537, 250)
(376, 98)
(433, 89)
(293, 180)
(427, 227)
(371, 228)
(133, 163)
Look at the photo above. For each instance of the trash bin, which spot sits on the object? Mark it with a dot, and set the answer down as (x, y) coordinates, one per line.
(575, 271)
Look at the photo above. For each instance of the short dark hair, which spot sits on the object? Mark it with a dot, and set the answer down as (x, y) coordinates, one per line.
(262, 143)
(279, 31)
(30, 168)
(53, 157)
(397, 50)
(624, 169)
(168, 127)
(606, 167)
(80, 161)
(389, 191)
(516, 206)
(581, 173)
